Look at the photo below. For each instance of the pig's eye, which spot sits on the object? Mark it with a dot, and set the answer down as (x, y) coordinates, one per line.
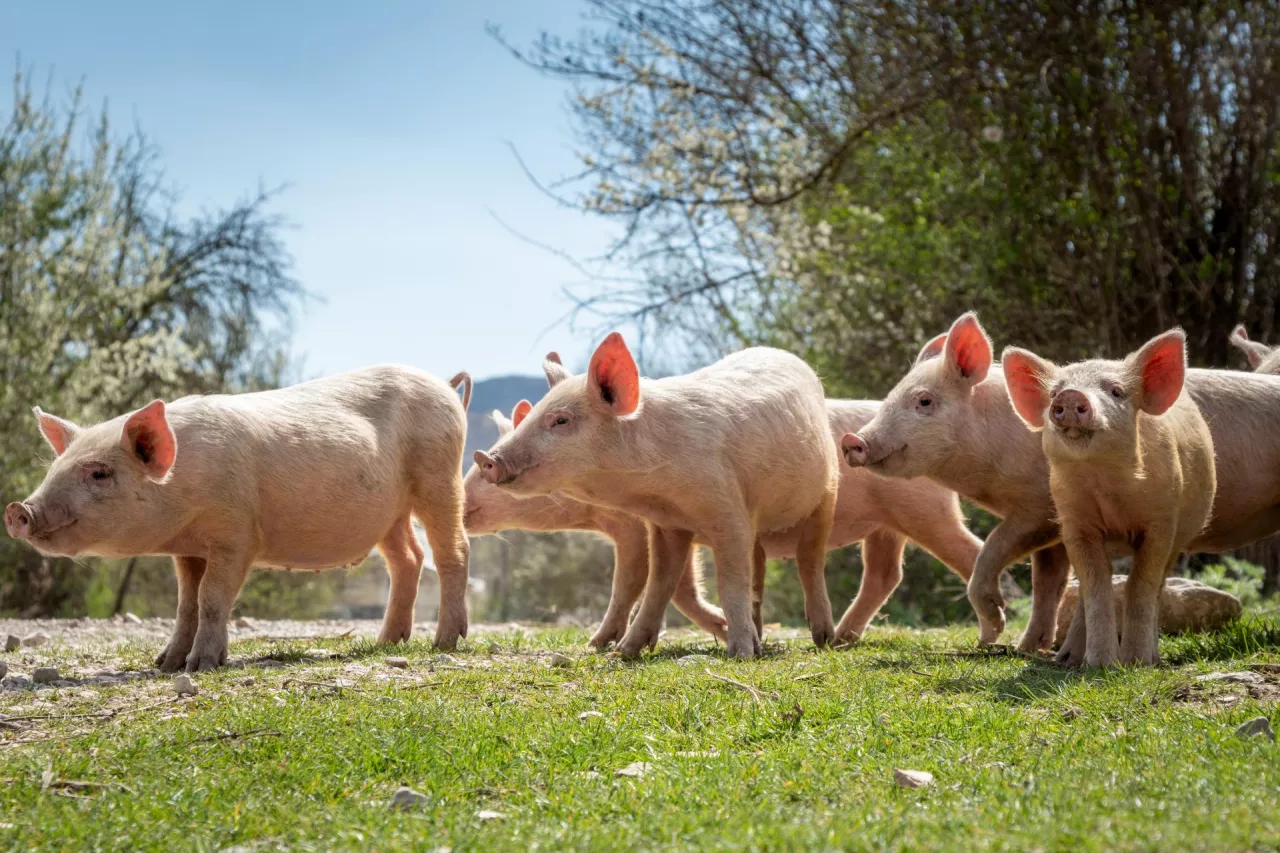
(99, 473)
(926, 401)
(1117, 392)
(561, 421)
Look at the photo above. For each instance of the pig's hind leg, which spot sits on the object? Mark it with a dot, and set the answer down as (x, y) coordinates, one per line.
(811, 560)
(688, 599)
(881, 574)
(403, 556)
(225, 571)
(189, 571)
(439, 508)
(668, 554)
(630, 568)
(1050, 568)
(734, 548)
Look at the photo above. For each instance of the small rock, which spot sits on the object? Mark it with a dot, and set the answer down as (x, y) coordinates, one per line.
(64, 682)
(398, 663)
(45, 675)
(694, 660)
(35, 640)
(12, 643)
(635, 770)
(912, 778)
(587, 715)
(132, 619)
(447, 660)
(1233, 677)
(184, 686)
(247, 681)
(486, 814)
(559, 660)
(1185, 605)
(1258, 726)
(18, 682)
(4, 670)
(407, 798)
(319, 654)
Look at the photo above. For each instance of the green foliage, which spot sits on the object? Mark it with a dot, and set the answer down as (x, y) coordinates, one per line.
(108, 299)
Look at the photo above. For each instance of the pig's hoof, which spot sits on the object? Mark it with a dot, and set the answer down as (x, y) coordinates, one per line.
(448, 631)
(636, 641)
(200, 661)
(1068, 656)
(391, 636)
(608, 634)
(846, 637)
(170, 660)
(1036, 638)
(745, 648)
(822, 635)
(717, 626)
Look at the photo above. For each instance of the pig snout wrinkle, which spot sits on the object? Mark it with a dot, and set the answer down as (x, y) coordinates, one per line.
(18, 519)
(493, 469)
(1072, 409)
(854, 449)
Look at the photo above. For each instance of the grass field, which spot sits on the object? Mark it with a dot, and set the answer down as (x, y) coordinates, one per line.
(517, 742)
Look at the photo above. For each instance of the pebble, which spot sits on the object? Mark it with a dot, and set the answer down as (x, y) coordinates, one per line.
(132, 619)
(407, 798)
(45, 675)
(486, 814)
(320, 654)
(635, 769)
(559, 660)
(35, 640)
(587, 715)
(1257, 726)
(912, 778)
(184, 686)
(398, 663)
(4, 670)
(12, 643)
(18, 682)
(693, 660)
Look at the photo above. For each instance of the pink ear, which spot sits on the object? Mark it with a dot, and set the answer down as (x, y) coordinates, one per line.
(500, 420)
(967, 349)
(56, 431)
(932, 349)
(148, 437)
(612, 376)
(1026, 377)
(1162, 363)
(1253, 350)
(518, 413)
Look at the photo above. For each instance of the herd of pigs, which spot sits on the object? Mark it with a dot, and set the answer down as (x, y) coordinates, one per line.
(747, 456)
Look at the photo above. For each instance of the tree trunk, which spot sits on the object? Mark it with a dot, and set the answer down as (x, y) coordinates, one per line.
(1265, 553)
(123, 589)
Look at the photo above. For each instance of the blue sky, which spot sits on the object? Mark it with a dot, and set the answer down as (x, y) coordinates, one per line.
(388, 121)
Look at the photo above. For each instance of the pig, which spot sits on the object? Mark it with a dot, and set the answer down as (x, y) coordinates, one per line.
(302, 478)
(723, 454)
(1262, 358)
(490, 509)
(950, 419)
(1130, 466)
(881, 513)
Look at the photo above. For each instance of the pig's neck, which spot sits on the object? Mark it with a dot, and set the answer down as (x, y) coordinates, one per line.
(998, 463)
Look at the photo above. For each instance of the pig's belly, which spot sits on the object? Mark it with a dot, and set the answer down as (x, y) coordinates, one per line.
(781, 544)
(327, 541)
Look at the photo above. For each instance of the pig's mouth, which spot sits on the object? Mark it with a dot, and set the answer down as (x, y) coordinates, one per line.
(44, 540)
(1075, 437)
(887, 459)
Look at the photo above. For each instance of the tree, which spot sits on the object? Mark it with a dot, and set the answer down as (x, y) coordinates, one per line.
(109, 299)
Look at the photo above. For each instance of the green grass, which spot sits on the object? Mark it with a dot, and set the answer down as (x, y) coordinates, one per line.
(1025, 756)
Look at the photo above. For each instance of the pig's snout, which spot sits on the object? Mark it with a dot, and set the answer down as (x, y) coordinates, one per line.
(492, 468)
(18, 520)
(854, 449)
(1072, 409)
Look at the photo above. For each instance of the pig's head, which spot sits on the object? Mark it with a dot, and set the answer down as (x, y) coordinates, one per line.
(1089, 410)
(917, 428)
(1262, 358)
(491, 509)
(574, 431)
(104, 488)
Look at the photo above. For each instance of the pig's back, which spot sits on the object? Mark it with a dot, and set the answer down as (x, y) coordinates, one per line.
(1243, 414)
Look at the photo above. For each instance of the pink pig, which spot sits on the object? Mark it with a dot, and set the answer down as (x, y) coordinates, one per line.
(724, 454)
(307, 477)
(883, 514)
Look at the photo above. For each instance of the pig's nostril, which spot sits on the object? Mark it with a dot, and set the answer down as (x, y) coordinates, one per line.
(1082, 410)
(1059, 411)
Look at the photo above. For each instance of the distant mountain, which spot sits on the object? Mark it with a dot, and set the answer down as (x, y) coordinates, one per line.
(501, 393)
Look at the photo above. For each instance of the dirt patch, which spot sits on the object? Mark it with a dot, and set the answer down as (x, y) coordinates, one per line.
(1219, 691)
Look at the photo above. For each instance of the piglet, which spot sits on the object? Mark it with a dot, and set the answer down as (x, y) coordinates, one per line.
(1130, 466)
(491, 509)
(723, 454)
(308, 477)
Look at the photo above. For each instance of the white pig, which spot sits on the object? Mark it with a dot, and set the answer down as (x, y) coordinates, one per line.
(724, 454)
(308, 478)
(1130, 467)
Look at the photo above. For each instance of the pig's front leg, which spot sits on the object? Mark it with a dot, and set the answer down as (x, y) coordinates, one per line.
(811, 560)
(189, 571)
(668, 553)
(734, 550)
(1140, 634)
(759, 562)
(224, 575)
(1008, 541)
(1072, 651)
(1089, 556)
(1050, 568)
(630, 569)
